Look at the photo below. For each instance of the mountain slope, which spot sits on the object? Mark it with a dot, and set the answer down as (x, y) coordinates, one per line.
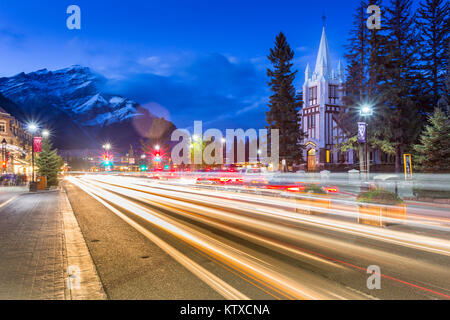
(73, 104)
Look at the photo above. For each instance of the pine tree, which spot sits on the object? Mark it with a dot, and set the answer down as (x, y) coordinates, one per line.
(365, 54)
(356, 55)
(400, 85)
(445, 99)
(434, 24)
(284, 103)
(49, 163)
(433, 152)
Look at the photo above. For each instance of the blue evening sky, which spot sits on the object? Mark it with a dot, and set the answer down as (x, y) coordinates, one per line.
(186, 60)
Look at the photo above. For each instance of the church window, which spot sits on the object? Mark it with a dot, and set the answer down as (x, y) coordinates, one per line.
(333, 93)
(311, 121)
(313, 96)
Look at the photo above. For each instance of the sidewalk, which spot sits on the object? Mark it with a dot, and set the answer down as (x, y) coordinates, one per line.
(42, 251)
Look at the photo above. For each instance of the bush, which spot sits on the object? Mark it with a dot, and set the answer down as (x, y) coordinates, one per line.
(379, 196)
(314, 188)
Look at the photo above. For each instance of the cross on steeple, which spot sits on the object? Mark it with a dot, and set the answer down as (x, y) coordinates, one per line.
(324, 18)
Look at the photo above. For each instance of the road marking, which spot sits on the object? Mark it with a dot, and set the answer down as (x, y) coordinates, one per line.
(8, 201)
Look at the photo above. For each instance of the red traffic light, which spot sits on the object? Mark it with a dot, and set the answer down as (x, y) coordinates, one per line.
(4, 164)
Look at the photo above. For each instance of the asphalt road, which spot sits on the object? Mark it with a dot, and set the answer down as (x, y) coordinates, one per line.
(154, 241)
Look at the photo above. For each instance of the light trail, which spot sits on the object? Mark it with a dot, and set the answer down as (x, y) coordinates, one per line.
(277, 282)
(210, 279)
(271, 227)
(440, 246)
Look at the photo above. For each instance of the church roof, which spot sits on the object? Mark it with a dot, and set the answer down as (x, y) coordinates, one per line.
(323, 61)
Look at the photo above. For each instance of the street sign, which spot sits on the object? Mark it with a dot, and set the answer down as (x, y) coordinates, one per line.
(362, 131)
(37, 143)
(408, 165)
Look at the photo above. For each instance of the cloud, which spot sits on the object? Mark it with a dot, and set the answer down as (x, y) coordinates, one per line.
(208, 87)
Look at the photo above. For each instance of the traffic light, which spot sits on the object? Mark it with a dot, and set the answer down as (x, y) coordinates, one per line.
(158, 156)
(143, 167)
(4, 164)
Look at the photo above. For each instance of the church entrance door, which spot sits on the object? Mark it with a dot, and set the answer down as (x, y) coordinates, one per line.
(312, 160)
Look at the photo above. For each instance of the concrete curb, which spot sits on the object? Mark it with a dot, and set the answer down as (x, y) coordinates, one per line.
(83, 282)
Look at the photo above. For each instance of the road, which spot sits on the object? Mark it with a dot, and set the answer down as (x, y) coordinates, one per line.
(155, 240)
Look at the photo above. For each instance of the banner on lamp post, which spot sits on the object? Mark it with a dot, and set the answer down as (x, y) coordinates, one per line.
(362, 126)
(37, 143)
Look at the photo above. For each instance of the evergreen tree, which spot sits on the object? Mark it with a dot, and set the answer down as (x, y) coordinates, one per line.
(434, 24)
(366, 55)
(49, 163)
(284, 103)
(400, 84)
(445, 99)
(433, 152)
(356, 55)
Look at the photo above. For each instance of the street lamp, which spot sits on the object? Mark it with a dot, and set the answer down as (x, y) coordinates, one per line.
(32, 128)
(366, 110)
(107, 146)
(45, 133)
(4, 143)
(157, 147)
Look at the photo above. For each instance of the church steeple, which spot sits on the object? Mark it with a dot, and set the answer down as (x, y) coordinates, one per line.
(323, 61)
(340, 71)
(307, 73)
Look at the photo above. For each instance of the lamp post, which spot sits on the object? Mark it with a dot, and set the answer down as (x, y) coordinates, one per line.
(366, 111)
(32, 128)
(4, 143)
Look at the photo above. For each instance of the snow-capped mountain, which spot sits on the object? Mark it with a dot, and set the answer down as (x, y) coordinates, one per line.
(76, 90)
(74, 103)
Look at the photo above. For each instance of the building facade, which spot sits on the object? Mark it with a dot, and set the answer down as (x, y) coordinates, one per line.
(15, 151)
(322, 102)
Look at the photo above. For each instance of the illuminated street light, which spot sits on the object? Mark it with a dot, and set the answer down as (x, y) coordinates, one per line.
(366, 110)
(32, 127)
(45, 133)
(157, 147)
(107, 146)
(224, 140)
(143, 156)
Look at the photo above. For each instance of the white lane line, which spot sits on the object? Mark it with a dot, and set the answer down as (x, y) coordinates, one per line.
(210, 279)
(8, 201)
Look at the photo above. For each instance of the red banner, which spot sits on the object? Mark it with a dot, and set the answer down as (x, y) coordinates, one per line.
(37, 144)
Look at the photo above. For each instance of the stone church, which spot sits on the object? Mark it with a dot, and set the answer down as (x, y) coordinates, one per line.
(322, 97)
